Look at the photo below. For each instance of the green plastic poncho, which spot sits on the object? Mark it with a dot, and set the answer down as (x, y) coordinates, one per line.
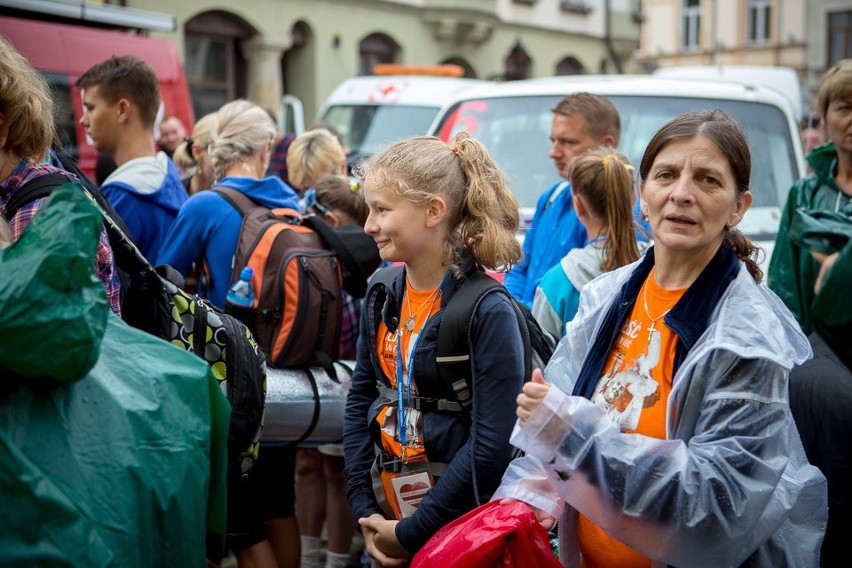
(817, 218)
(112, 442)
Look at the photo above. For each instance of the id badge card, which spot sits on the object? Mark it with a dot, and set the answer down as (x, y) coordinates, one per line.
(405, 488)
(409, 490)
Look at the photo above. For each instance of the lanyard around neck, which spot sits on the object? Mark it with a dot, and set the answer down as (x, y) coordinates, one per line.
(403, 386)
(403, 383)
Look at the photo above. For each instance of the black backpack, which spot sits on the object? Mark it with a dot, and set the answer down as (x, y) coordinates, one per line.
(154, 302)
(453, 356)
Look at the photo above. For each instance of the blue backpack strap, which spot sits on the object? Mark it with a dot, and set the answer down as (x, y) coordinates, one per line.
(453, 356)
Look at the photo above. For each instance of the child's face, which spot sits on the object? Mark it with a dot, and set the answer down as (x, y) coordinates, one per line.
(397, 224)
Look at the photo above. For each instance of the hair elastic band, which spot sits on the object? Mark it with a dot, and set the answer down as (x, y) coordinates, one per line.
(311, 202)
(610, 157)
(456, 149)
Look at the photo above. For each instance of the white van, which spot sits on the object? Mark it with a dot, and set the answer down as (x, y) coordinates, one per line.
(513, 120)
(785, 80)
(375, 110)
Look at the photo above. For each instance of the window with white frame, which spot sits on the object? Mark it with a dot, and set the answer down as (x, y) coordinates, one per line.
(758, 18)
(691, 24)
(839, 36)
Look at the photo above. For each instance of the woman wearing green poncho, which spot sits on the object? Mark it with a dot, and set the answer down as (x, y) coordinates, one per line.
(811, 270)
(811, 267)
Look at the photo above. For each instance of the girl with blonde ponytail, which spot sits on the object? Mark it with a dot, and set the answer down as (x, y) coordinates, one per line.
(443, 212)
(603, 196)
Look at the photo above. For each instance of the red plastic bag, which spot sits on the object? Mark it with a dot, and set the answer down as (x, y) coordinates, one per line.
(490, 536)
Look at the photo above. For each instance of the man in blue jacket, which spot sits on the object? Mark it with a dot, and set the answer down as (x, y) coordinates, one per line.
(580, 121)
(121, 98)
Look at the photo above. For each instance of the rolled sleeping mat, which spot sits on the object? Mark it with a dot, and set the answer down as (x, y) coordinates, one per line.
(306, 406)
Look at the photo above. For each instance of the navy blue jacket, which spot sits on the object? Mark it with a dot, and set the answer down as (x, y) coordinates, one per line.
(497, 358)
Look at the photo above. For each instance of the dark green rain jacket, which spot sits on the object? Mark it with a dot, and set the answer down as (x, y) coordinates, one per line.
(817, 217)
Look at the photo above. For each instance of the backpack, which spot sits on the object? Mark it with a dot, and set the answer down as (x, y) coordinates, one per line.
(297, 283)
(453, 355)
(154, 302)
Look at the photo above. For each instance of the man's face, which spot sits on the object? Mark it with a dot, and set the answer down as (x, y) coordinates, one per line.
(172, 134)
(100, 119)
(569, 138)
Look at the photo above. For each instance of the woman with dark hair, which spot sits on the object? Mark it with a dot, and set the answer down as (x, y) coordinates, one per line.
(664, 431)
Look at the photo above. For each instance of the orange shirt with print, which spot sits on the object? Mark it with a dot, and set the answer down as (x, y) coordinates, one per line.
(634, 391)
(414, 304)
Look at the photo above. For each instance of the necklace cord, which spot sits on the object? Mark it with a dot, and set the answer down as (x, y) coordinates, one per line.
(412, 316)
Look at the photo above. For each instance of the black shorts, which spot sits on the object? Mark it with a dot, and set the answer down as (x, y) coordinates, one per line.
(268, 492)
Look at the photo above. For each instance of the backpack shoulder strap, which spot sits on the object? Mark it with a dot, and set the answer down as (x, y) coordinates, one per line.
(332, 240)
(238, 200)
(385, 276)
(453, 354)
(355, 273)
(41, 186)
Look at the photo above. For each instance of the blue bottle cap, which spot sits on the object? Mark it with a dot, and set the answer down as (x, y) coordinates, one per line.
(246, 274)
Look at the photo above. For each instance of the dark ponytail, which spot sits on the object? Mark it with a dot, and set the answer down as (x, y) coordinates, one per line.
(746, 251)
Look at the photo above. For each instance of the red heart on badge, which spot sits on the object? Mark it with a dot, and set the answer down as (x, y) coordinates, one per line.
(412, 493)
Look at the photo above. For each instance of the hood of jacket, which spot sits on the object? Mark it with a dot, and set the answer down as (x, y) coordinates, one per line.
(823, 160)
(270, 191)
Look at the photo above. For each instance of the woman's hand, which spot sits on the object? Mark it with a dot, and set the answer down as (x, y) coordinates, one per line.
(532, 395)
(547, 521)
(381, 542)
(826, 262)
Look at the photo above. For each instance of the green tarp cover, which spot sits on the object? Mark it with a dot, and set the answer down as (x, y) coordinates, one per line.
(112, 442)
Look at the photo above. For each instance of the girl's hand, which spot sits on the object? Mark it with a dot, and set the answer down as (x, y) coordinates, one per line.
(533, 393)
(547, 521)
(380, 540)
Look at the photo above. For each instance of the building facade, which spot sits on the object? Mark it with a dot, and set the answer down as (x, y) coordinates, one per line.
(807, 35)
(262, 49)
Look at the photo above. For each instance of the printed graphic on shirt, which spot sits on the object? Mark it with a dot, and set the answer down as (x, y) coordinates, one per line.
(634, 391)
(636, 380)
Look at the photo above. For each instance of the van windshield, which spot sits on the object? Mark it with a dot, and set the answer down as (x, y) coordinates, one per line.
(516, 131)
(370, 128)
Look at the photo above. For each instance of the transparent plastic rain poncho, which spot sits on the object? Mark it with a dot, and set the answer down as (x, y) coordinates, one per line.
(730, 484)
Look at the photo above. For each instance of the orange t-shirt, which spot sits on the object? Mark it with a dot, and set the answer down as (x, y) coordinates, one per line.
(417, 308)
(634, 391)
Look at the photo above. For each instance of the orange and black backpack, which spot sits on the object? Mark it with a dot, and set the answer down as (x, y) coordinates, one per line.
(297, 284)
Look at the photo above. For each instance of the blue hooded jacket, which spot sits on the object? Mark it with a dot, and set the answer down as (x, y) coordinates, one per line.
(208, 226)
(147, 194)
(554, 231)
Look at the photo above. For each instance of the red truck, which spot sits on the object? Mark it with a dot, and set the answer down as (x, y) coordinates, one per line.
(63, 52)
